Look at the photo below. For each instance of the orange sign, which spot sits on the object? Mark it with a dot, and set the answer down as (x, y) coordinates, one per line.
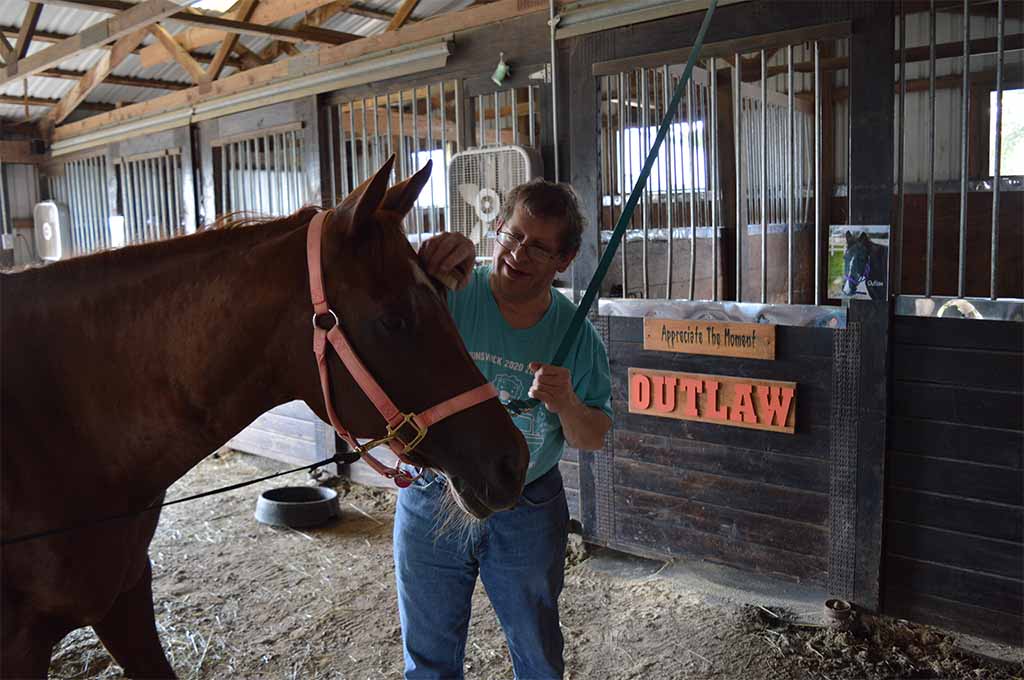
(739, 402)
(716, 338)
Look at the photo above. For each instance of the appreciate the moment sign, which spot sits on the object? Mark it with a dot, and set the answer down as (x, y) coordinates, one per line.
(738, 402)
(716, 338)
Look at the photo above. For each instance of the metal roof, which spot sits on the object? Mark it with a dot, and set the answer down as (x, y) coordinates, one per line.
(68, 21)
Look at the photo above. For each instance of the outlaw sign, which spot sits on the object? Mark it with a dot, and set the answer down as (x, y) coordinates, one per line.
(738, 402)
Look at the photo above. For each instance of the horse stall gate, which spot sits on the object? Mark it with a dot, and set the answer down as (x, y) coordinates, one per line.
(265, 162)
(900, 486)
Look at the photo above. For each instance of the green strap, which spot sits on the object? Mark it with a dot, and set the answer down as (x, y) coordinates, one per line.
(523, 405)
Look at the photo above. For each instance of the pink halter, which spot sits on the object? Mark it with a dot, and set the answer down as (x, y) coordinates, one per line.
(395, 419)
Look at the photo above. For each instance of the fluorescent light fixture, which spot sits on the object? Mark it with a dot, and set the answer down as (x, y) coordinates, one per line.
(581, 18)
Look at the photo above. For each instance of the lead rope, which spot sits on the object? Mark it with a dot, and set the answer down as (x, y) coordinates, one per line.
(519, 406)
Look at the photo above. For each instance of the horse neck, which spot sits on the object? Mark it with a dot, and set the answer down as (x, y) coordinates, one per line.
(185, 343)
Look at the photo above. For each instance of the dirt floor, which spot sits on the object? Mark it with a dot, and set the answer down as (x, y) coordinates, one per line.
(238, 599)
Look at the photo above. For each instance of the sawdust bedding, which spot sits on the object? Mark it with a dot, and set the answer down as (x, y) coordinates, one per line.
(238, 599)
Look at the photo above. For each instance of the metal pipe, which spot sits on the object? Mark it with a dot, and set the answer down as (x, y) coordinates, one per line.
(533, 134)
(444, 156)
(764, 177)
(790, 173)
(459, 103)
(480, 119)
(300, 185)
(268, 199)
(996, 176)
(280, 174)
(895, 285)
(401, 135)
(366, 146)
(377, 162)
(252, 184)
(691, 143)
(155, 188)
(713, 94)
(645, 112)
(139, 235)
(78, 215)
(223, 179)
(391, 137)
(165, 208)
(176, 167)
(342, 159)
(430, 153)
(497, 119)
(818, 198)
(670, 151)
(352, 133)
(737, 83)
(243, 176)
(930, 240)
(515, 117)
(552, 23)
(622, 173)
(101, 189)
(417, 214)
(120, 169)
(965, 99)
(330, 156)
(92, 209)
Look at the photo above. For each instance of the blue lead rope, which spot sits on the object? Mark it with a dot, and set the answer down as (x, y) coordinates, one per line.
(519, 406)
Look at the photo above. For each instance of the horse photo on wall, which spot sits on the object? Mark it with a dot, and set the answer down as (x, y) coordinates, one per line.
(858, 262)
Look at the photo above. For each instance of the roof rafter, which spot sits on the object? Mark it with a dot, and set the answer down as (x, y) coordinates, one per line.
(28, 28)
(184, 59)
(128, 22)
(244, 12)
(403, 13)
(39, 101)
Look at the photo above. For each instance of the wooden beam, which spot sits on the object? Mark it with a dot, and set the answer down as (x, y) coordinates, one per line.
(314, 18)
(138, 16)
(28, 28)
(127, 81)
(39, 101)
(403, 13)
(20, 152)
(433, 28)
(192, 68)
(6, 49)
(243, 12)
(96, 75)
(248, 58)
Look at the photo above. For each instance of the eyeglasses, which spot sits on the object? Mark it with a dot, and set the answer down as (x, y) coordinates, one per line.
(510, 241)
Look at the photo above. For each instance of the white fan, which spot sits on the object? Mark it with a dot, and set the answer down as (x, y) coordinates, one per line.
(480, 179)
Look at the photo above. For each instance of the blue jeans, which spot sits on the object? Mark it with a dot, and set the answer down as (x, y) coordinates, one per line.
(519, 555)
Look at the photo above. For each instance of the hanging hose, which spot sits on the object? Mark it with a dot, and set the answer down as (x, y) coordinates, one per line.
(519, 406)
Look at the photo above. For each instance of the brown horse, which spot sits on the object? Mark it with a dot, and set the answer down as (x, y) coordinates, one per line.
(124, 369)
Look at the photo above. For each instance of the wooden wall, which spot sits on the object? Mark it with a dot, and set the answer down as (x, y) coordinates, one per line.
(753, 499)
(954, 518)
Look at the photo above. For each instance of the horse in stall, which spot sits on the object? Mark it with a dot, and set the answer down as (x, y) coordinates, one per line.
(124, 369)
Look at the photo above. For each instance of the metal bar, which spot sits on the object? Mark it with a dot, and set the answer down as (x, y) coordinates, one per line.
(280, 172)
(144, 200)
(459, 103)
(533, 133)
(300, 189)
(740, 198)
(164, 180)
(120, 169)
(480, 120)
(818, 198)
(401, 134)
(515, 117)
(965, 105)
(430, 152)
(343, 159)
(89, 178)
(645, 139)
(71, 180)
(377, 162)
(930, 240)
(366, 147)
(391, 137)
(331, 148)
(154, 189)
(764, 177)
(497, 120)
(713, 70)
(690, 142)
(104, 203)
(250, 175)
(140, 223)
(622, 171)
(176, 180)
(417, 214)
(670, 180)
(790, 173)
(223, 151)
(269, 178)
(352, 134)
(444, 154)
(243, 176)
(895, 284)
(552, 23)
(996, 178)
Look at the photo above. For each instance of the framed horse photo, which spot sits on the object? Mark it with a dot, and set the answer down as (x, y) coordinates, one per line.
(858, 262)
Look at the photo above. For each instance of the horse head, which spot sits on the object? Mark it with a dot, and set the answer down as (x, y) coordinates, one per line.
(397, 320)
(856, 262)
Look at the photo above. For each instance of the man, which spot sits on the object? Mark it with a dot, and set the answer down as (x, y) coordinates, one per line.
(512, 321)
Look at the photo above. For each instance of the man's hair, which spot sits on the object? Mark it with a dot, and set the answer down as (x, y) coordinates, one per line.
(549, 200)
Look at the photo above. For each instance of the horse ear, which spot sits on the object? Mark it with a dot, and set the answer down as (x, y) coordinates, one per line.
(359, 206)
(863, 238)
(402, 197)
(849, 238)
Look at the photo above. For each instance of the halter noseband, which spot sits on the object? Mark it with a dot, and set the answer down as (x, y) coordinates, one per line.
(394, 419)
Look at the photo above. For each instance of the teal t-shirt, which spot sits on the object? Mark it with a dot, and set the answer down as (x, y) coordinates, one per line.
(503, 354)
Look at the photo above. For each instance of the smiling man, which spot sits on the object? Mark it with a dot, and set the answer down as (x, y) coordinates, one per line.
(511, 320)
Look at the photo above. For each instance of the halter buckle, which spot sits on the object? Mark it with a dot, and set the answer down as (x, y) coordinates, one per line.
(407, 419)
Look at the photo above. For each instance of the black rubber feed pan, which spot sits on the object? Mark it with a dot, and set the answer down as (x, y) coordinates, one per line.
(298, 507)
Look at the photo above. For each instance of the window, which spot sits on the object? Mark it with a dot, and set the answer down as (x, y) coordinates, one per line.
(1012, 161)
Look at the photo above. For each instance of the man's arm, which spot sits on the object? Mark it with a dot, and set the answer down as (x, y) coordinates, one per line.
(449, 254)
(584, 427)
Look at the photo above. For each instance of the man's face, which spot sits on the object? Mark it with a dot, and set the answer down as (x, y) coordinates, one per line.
(525, 272)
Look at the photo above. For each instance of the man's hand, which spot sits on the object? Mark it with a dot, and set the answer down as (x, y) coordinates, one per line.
(449, 256)
(552, 385)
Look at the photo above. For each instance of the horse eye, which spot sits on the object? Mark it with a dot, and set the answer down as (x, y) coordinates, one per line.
(393, 323)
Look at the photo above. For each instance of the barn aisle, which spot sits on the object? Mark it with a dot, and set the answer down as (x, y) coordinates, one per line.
(237, 599)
